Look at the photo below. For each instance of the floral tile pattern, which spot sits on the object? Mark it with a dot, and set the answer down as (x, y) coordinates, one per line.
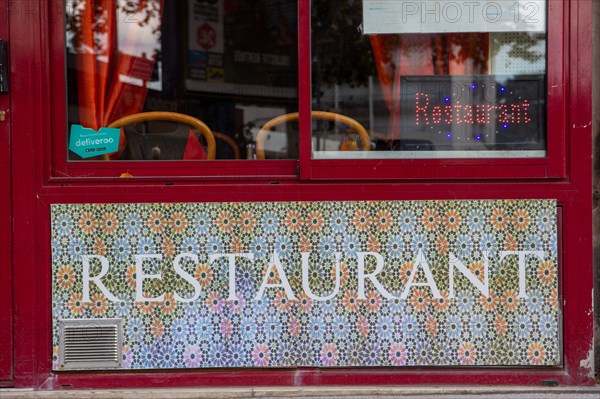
(399, 283)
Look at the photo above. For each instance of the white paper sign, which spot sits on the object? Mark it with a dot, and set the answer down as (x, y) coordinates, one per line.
(435, 16)
(206, 26)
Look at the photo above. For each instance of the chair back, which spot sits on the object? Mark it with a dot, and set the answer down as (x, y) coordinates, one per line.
(322, 115)
(165, 138)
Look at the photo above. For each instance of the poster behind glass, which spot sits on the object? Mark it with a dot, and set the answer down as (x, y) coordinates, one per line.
(242, 47)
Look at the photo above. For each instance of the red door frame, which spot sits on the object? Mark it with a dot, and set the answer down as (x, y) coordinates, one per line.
(40, 105)
(6, 337)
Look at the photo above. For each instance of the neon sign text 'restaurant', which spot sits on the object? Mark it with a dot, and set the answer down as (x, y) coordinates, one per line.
(477, 114)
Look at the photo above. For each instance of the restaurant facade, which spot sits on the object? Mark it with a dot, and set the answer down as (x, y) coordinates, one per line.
(295, 192)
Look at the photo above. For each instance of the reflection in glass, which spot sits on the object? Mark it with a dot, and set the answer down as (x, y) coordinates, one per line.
(229, 63)
(456, 93)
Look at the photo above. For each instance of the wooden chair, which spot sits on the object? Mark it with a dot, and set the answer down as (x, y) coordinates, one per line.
(355, 127)
(160, 141)
(231, 142)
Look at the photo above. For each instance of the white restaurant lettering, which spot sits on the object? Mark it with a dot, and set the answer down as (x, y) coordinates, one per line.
(420, 262)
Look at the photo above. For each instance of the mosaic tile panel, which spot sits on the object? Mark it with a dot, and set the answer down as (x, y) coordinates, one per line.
(325, 284)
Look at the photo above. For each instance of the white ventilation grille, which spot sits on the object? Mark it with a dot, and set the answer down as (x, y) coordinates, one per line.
(90, 344)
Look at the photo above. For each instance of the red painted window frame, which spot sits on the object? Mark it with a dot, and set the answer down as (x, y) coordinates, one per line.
(35, 186)
(551, 166)
(63, 170)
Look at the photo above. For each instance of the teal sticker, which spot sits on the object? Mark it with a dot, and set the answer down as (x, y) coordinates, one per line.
(89, 143)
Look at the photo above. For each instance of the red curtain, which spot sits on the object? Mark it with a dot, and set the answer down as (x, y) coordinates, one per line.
(103, 96)
(395, 56)
(424, 54)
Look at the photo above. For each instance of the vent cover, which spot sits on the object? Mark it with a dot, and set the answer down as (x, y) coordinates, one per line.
(90, 344)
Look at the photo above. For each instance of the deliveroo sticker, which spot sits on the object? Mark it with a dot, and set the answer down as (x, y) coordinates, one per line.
(89, 143)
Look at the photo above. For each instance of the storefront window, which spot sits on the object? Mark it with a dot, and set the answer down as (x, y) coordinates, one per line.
(231, 64)
(434, 79)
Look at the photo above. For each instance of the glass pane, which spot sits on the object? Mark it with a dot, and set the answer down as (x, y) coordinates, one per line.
(231, 64)
(435, 79)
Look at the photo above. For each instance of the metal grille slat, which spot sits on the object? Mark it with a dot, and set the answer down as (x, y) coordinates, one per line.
(83, 350)
(91, 342)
